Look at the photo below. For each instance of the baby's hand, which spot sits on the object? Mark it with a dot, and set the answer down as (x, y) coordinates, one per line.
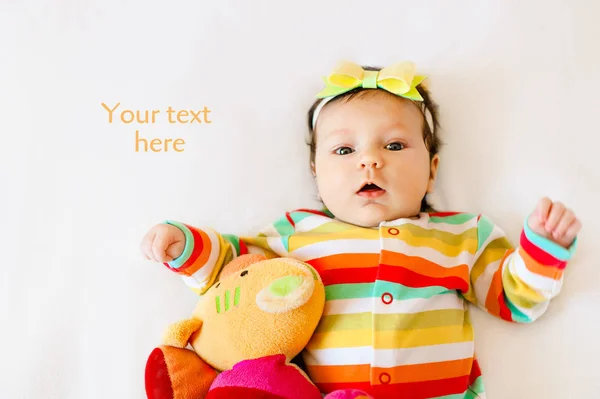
(163, 243)
(555, 222)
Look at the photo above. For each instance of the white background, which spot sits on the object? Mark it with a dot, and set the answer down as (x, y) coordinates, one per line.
(517, 83)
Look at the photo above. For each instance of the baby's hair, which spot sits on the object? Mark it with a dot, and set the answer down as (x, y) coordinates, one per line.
(427, 107)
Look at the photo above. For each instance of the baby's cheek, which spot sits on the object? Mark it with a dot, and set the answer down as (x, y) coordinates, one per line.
(327, 178)
(417, 172)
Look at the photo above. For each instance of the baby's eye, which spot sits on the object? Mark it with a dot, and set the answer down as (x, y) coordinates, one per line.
(395, 146)
(343, 151)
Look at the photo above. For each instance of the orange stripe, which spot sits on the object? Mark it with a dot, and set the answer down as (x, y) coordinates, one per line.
(423, 266)
(204, 255)
(537, 268)
(325, 374)
(496, 288)
(427, 371)
(399, 374)
(345, 261)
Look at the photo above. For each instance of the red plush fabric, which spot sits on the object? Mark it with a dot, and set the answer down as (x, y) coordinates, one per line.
(175, 373)
(158, 383)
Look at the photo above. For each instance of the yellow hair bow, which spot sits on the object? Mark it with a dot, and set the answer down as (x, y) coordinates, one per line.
(399, 79)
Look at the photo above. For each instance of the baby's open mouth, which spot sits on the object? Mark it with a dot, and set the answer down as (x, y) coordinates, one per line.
(369, 187)
(371, 190)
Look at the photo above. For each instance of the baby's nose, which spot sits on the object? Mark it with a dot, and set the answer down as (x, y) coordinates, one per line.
(370, 161)
(370, 164)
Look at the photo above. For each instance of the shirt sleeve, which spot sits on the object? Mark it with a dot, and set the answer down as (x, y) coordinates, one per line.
(206, 251)
(515, 283)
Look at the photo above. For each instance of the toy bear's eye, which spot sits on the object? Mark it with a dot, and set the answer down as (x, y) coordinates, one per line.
(217, 286)
(244, 273)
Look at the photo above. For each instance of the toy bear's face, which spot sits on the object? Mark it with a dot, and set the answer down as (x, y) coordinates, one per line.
(270, 308)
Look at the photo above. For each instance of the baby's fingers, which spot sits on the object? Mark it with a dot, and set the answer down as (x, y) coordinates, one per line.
(573, 230)
(563, 224)
(542, 210)
(159, 246)
(146, 245)
(556, 212)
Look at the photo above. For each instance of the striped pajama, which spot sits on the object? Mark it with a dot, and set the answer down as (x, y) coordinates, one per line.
(396, 321)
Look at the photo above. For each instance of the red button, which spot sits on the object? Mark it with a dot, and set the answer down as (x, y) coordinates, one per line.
(385, 378)
(393, 231)
(387, 298)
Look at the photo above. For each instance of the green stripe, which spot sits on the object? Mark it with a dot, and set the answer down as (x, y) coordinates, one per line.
(286, 243)
(393, 322)
(456, 396)
(187, 249)
(516, 313)
(300, 216)
(314, 273)
(218, 304)
(349, 291)
(549, 246)
(283, 227)
(234, 240)
(236, 296)
(369, 290)
(484, 230)
(226, 300)
(327, 212)
(454, 219)
(475, 389)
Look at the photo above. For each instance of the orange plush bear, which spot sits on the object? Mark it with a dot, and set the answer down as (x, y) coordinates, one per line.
(244, 331)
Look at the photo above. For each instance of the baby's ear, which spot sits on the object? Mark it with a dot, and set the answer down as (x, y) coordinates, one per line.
(435, 162)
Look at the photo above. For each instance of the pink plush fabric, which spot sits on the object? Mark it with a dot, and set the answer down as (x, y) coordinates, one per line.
(348, 394)
(269, 374)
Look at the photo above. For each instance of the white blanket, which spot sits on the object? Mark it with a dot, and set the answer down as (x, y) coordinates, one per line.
(517, 84)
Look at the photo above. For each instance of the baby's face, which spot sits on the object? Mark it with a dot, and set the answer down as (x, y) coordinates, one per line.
(372, 139)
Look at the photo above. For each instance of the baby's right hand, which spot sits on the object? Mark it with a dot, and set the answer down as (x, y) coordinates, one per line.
(163, 243)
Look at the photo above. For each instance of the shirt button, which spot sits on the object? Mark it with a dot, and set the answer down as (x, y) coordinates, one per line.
(385, 378)
(387, 298)
(393, 231)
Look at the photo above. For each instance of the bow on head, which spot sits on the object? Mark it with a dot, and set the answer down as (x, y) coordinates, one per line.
(398, 79)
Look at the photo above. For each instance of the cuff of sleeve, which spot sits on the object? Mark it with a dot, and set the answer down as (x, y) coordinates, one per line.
(187, 250)
(549, 246)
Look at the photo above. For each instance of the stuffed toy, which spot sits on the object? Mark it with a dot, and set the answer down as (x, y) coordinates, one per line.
(244, 332)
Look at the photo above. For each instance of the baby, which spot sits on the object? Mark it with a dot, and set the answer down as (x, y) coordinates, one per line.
(398, 275)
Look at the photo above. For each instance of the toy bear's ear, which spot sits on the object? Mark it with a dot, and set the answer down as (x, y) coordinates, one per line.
(288, 292)
(240, 263)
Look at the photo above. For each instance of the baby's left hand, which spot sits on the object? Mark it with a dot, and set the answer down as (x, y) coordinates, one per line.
(555, 222)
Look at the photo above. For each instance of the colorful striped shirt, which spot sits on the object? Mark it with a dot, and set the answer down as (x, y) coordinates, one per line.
(396, 321)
